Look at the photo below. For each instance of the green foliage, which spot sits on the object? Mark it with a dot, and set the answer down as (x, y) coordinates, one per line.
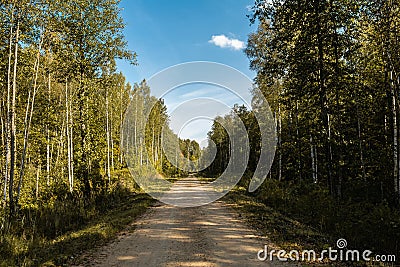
(59, 64)
(56, 231)
(219, 135)
(283, 230)
(61, 110)
(330, 72)
(148, 131)
(364, 225)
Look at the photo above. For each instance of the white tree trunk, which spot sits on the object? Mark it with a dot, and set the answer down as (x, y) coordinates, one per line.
(60, 146)
(48, 136)
(37, 180)
(395, 141)
(360, 145)
(120, 123)
(28, 119)
(69, 139)
(280, 143)
(13, 126)
(3, 144)
(313, 160)
(8, 119)
(112, 146)
(108, 140)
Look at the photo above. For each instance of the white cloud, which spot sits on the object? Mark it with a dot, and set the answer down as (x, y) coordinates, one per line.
(226, 42)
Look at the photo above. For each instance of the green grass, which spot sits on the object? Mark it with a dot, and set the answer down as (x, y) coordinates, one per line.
(97, 233)
(280, 229)
(172, 179)
(206, 180)
(283, 231)
(65, 249)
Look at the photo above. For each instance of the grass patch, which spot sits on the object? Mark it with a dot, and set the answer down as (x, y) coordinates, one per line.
(64, 247)
(283, 231)
(206, 180)
(68, 247)
(172, 179)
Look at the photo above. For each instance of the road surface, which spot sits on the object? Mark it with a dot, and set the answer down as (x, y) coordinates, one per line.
(209, 235)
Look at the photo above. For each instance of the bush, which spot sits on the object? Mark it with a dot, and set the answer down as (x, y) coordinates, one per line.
(373, 226)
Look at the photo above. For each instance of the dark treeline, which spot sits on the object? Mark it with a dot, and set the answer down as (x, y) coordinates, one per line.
(330, 71)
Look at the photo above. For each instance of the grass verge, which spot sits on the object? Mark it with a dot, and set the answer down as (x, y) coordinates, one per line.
(284, 232)
(65, 249)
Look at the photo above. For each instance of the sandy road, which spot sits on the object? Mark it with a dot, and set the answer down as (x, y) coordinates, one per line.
(210, 235)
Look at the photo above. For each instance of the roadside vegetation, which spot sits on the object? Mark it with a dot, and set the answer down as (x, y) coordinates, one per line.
(56, 234)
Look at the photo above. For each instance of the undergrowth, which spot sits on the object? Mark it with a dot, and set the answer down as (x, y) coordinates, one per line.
(55, 230)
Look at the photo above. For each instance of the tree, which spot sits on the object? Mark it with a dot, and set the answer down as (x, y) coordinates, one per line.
(300, 54)
(91, 39)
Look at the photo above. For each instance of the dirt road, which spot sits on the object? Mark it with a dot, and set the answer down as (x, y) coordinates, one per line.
(210, 235)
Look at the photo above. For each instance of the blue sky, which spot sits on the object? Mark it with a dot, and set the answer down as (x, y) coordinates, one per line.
(166, 33)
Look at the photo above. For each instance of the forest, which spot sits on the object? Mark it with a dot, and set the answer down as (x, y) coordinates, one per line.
(330, 70)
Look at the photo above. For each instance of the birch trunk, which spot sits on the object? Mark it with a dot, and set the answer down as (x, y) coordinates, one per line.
(28, 118)
(108, 140)
(112, 146)
(280, 143)
(48, 134)
(37, 181)
(69, 139)
(330, 151)
(360, 144)
(299, 163)
(313, 160)
(8, 119)
(60, 146)
(121, 123)
(13, 126)
(3, 144)
(395, 141)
